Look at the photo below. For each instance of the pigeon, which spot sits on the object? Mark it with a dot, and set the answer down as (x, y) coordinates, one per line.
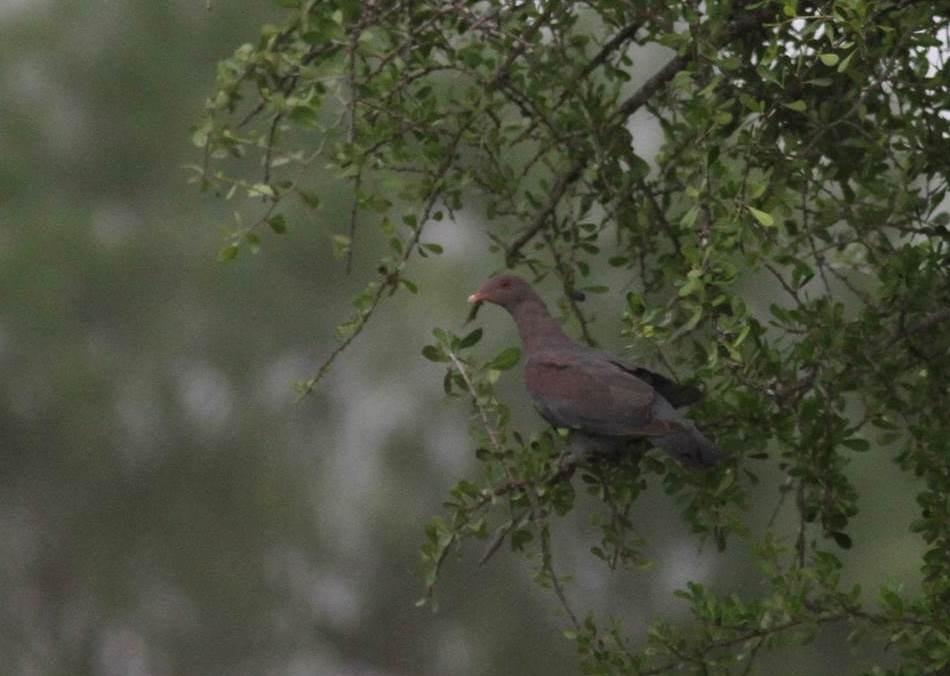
(606, 404)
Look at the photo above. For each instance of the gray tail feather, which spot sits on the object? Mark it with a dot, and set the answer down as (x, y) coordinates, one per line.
(690, 447)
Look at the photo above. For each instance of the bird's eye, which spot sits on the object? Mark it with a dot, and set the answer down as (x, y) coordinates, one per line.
(505, 284)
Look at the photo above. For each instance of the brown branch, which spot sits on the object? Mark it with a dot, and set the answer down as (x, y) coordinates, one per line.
(785, 285)
(271, 137)
(412, 35)
(800, 545)
(351, 135)
(678, 63)
(391, 277)
(929, 322)
(523, 43)
(626, 33)
(661, 217)
(560, 188)
(566, 273)
(286, 83)
(699, 655)
(501, 535)
(649, 88)
(617, 41)
(547, 565)
(493, 435)
(623, 112)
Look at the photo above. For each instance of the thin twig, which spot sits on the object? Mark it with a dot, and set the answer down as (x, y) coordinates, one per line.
(626, 33)
(700, 654)
(391, 277)
(351, 104)
(547, 565)
(785, 285)
(783, 492)
(567, 283)
(493, 435)
(512, 524)
(560, 188)
(271, 138)
(800, 540)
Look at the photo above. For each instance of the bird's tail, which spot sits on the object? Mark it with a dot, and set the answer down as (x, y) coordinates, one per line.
(690, 447)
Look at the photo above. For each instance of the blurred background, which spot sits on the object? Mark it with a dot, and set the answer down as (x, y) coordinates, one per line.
(165, 506)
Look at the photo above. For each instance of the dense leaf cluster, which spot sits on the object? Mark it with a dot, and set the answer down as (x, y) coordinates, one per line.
(804, 155)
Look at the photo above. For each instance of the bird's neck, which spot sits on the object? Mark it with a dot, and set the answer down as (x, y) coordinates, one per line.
(539, 331)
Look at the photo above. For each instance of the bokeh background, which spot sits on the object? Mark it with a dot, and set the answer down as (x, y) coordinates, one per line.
(165, 505)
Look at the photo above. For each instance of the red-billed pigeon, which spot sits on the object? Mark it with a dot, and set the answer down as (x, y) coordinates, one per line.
(605, 403)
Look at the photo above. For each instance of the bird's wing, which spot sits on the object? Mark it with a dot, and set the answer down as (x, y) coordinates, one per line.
(585, 392)
(675, 393)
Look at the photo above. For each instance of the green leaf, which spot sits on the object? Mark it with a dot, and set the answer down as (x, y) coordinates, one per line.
(798, 106)
(723, 117)
(693, 283)
(434, 353)
(253, 243)
(228, 252)
(843, 66)
(261, 190)
(310, 199)
(470, 339)
(843, 540)
(829, 59)
(694, 318)
(689, 218)
(857, 444)
(199, 136)
(305, 116)
(505, 359)
(727, 482)
(520, 538)
(341, 245)
(761, 216)
(441, 335)
(434, 248)
(278, 223)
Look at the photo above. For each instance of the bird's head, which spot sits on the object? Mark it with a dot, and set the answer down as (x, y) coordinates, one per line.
(505, 290)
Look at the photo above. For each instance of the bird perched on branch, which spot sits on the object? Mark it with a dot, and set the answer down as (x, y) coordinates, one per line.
(605, 403)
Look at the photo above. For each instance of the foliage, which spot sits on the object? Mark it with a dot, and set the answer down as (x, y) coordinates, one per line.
(804, 146)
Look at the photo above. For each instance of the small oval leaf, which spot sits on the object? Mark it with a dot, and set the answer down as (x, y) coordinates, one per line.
(433, 353)
(762, 217)
(505, 359)
(843, 540)
(471, 339)
(228, 252)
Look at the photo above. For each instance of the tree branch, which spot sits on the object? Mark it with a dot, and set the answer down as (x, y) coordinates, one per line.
(351, 103)
(629, 106)
(560, 188)
(391, 277)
